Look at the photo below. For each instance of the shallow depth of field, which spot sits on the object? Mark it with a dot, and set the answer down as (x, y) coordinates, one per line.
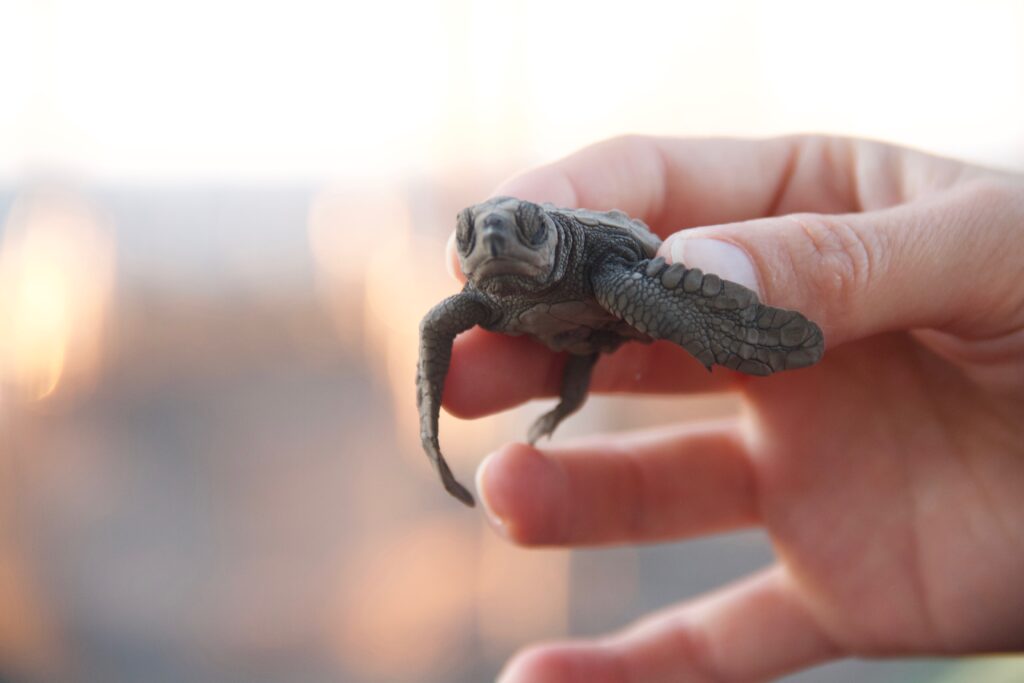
(220, 224)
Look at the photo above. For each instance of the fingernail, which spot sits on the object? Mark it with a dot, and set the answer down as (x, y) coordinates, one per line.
(496, 522)
(724, 259)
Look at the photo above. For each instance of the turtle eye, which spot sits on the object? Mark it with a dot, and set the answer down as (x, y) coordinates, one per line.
(464, 232)
(533, 227)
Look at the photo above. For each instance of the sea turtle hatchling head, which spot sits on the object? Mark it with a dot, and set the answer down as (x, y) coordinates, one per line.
(584, 282)
(506, 245)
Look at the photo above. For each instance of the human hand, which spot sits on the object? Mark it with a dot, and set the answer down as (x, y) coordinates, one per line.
(890, 477)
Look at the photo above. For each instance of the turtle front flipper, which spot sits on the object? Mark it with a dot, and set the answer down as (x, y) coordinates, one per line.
(718, 321)
(437, 334)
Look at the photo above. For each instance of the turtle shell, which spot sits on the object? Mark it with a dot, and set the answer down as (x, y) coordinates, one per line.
(616, 221)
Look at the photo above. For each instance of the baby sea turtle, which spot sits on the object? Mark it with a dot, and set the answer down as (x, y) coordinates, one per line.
(584, 282)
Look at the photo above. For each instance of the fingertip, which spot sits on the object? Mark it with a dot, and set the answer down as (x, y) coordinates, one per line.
(524, 494)
(496, 521)
(451, 260)
(799, 263)
(718, 256)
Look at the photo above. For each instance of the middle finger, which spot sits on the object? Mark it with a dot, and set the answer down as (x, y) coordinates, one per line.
(490, 372)
(651, 485)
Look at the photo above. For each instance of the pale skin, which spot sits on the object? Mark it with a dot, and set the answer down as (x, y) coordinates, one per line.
(889, 477)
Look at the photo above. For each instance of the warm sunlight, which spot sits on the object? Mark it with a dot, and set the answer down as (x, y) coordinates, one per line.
(56, 271)
(364, 90)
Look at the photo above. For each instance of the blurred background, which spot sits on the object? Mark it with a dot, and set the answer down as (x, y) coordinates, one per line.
(221, 223)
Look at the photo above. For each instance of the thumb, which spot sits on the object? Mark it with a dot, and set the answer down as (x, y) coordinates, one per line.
(950, 262)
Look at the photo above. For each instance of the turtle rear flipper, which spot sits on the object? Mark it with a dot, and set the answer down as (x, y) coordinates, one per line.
(575, 384)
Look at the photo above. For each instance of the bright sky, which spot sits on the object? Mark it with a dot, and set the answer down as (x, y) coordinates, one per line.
(200, 89)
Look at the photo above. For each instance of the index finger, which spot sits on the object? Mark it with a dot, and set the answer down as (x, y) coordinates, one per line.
(672, 183)
(669, 183)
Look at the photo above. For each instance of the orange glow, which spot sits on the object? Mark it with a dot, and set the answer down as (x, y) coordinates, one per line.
(365, 243)
(346, 228)
(524, 595)
(406, 603)
(56, 274)
(27, 638)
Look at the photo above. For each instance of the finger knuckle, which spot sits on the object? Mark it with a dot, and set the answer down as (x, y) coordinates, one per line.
(995, 199)
(987, 222)
(821, 145)
(631, 150)
(845, 257)
(628, 140)
(695, 647)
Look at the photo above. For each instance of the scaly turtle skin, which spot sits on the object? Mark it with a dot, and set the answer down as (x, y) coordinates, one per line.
(584, 282)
